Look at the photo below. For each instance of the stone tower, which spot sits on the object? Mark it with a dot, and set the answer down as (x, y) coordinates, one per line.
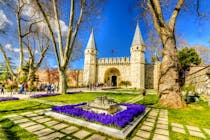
(137, 73)
(90, 61)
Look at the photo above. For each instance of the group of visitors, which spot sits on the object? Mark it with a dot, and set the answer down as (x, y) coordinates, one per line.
(51, 88)
(2, 88)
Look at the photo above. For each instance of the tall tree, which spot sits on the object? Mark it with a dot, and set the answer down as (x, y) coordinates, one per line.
(187, 57)
(63, 49)
(169, 88)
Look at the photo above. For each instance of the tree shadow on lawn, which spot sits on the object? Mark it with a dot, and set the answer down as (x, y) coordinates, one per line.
(7, 126)
(12, 131)
(25, 109)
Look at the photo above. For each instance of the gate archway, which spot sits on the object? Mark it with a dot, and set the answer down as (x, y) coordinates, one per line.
(112, 77)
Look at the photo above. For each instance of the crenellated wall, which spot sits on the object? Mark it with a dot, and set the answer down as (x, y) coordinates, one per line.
(113, 60)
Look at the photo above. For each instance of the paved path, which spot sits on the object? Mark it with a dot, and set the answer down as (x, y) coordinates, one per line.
(47, 128)
(154, 127)
(157, 122)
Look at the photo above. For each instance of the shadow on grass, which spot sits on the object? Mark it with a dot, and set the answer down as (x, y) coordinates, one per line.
(7, 127)
(24, 109)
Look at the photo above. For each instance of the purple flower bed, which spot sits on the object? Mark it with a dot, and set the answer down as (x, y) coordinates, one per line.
(8, 98)
(120, 119)
(44, 95)
(74, 92)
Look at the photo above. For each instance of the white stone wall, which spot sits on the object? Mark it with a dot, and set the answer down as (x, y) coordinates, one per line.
(124, 70)
(200, 79)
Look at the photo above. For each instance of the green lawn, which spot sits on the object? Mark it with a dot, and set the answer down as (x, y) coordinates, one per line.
(11, 131)
(149, 100)
(84, 97)
(195, 114)
(8, 107)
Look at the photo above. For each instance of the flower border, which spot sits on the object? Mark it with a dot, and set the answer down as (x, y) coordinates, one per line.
(44, 95)
(8, 98)
(119, 120)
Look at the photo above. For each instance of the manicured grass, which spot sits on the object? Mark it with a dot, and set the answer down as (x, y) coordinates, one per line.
(11, 131)
(149, 99)
(19, 106)
(196, 114)
(85, 97)
(127, 90)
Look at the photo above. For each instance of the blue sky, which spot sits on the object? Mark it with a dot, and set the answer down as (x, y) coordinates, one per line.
(119, 21)
(117, 26)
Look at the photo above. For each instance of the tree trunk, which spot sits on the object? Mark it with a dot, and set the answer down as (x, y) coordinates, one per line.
(62, 82)
(169, 88)
(31, 76)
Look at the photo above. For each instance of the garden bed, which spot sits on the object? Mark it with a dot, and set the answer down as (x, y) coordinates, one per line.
(118, 125)
(73, 92)
(43, 95)
(8, 98)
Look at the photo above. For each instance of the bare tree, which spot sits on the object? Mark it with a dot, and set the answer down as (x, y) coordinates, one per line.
(165, 25)
(153, 46)
(63, 49)
(37, 46)
(169, 88)
(204, 53)
(27, 32)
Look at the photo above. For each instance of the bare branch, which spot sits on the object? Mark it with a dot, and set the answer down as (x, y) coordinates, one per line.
(68, 51)
(156, 25)
(70, 27)
(6, 59)
(175, 13)
(30, 28)
(59, 29)
(50, 30)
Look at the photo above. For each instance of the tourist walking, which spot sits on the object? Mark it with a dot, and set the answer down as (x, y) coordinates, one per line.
(2, 88)
(52, 89)
(25, 87)
(21, 89)
(49, 88)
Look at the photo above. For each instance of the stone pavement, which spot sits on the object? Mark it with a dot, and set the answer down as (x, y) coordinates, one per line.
(157, 122)
(156, 127)
(192, 130)
(47, 128)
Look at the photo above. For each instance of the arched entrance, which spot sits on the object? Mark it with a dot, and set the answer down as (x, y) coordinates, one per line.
(112, 77)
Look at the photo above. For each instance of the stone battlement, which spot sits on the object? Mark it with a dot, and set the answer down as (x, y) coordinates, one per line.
(114, 60)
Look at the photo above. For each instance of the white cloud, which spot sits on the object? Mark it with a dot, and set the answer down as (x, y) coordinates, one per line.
(29, 11)
(17, 50)
(3, 20)
(10, 48)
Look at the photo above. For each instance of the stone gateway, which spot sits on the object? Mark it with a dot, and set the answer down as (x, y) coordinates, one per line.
(112, 71)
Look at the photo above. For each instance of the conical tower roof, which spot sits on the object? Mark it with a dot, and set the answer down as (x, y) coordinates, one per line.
(137, 39)
(91, 42)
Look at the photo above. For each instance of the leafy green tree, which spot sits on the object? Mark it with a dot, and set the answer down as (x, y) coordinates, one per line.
(187, 57)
